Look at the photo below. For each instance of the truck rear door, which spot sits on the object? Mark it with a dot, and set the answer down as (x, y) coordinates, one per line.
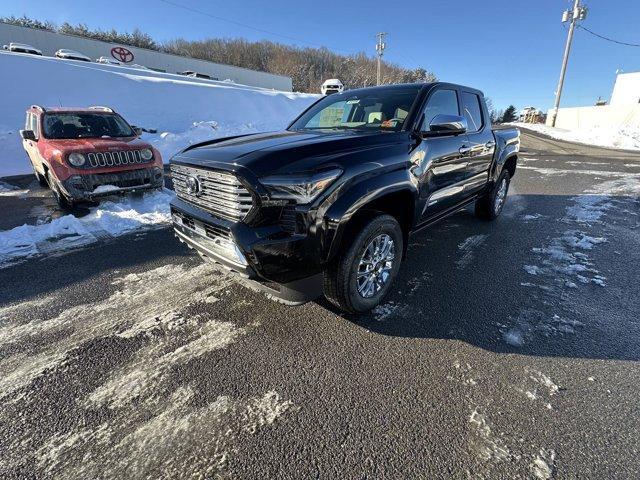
(481, 141)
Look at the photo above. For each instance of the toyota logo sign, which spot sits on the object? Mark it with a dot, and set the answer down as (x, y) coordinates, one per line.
(122, 54)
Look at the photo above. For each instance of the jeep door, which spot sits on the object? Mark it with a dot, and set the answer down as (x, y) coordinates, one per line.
(31, 146)
(440, 161)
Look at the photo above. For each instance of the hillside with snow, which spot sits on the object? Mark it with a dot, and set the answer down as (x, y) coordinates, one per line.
(184, 110)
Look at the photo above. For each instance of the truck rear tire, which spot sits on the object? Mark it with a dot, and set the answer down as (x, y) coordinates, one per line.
(489, 206)
(362, 275)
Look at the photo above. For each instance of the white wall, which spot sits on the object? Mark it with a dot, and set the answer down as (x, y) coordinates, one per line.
(50, 42)
(626, 90)
(607, 116)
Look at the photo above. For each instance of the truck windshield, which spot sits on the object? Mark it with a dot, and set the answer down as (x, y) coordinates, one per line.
(379, 109)
(69, 125)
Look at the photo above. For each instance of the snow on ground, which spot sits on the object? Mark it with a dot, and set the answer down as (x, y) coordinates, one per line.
(565, 262)
(5, 187)
(111, 218)
(136, 416)
(626, 137)
(183, 110)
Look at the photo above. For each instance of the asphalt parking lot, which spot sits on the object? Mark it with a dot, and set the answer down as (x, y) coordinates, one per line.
(507, 350)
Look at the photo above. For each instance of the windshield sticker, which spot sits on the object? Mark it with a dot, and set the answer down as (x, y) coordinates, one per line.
(351, 102)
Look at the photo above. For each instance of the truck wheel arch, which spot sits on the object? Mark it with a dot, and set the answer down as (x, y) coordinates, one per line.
(400, 204)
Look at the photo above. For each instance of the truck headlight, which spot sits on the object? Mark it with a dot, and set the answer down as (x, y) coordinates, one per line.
(146, 154)
(77, 159)
(301, 188)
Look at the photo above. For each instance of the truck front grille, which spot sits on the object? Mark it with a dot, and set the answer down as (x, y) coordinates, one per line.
(221, 194)
(111, 159)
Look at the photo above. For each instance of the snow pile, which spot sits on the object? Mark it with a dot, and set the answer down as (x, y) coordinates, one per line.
(625, 137)
(110, 219)
(7, 189)
(183, 110)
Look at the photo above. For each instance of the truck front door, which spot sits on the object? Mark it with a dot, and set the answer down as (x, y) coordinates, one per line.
(440, 162)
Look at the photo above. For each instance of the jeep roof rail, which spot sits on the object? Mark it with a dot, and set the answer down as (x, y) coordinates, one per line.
(39, 108)
(100, 107)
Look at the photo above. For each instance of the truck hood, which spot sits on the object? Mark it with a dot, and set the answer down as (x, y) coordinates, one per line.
(87, 145)
(285, 151)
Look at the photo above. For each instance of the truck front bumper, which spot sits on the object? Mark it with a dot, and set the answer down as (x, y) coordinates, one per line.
(83, 187)
(260, 262)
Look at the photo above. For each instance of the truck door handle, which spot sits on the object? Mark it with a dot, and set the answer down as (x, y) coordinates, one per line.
(464, 150)
(490, 144)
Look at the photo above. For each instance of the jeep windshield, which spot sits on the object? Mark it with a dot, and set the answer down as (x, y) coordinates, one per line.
(70, 125)
(380, 109)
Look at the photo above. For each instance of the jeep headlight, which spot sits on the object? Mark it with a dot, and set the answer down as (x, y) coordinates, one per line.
(301, 188)
(77, 159)
(146, 154)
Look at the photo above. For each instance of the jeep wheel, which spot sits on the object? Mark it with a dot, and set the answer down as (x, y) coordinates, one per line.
(491, 204)
(360, 277)
(42, 180)
(62, 201)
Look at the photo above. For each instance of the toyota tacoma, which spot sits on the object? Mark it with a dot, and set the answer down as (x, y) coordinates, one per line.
(327, 205)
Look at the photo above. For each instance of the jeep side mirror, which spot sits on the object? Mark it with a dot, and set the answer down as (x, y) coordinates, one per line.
(137, 130)
(443, 124)
(28, 135)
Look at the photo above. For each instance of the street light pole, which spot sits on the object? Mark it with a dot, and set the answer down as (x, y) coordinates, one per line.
(578, 12)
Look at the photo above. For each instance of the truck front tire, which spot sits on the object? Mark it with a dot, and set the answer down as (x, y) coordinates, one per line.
(489, 206)
(363, 273)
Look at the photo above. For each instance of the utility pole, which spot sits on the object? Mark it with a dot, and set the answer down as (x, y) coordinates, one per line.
(579, 12)
(380, 46)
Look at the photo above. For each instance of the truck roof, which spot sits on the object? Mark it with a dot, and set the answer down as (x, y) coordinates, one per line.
(419, 85)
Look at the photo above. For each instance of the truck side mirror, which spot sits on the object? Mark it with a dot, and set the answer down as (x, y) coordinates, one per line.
(443, 124)
(28, 135)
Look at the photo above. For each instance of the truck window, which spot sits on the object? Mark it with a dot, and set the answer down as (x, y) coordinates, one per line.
(383, 109)
(441, 102)
(472, 111)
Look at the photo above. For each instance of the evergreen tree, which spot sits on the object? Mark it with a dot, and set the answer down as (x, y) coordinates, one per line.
(509, 114)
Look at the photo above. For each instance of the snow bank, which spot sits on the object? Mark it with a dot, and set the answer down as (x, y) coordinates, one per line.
(110, 219)
(184, 110)
(627, 137)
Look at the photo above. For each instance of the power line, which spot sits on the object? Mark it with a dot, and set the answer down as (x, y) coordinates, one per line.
(608, 39)
(244, 25)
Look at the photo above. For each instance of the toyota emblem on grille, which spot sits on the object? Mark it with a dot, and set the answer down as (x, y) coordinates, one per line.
(193, 186)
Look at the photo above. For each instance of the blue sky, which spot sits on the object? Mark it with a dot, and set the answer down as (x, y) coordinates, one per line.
(510, 49)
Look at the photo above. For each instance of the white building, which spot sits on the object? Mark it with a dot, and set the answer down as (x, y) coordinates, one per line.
(50, 42)
(623, 111)
(626, 90)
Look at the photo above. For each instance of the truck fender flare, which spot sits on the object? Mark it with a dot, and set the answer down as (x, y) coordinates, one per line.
(353, 200)
(507, 151)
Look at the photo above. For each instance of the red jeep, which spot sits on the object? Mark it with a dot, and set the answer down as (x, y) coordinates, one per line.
(83, 154)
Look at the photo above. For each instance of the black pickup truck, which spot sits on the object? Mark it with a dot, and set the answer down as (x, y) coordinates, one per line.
(327, 205)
